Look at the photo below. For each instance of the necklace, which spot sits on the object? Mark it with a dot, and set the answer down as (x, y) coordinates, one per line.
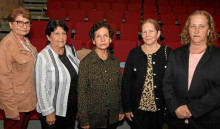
(195, 52)
(202, 51)
(27, 46)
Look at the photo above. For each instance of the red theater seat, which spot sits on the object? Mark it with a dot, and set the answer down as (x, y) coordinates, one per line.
(122, 48)
(39, 43)
(119, 7)
(76, 43)
(95, 16)
(182, 20)
(100, 6)
(76, 16)
(53, 4)
(57, 14)
(168, 19)
(150, 15)
(179, 10)
(150, 8)
(86, 6)
(132, 7)
(129, 31)
(38, 29)
(115, 17)
(133, 18)
(171, 33)
(70, 5)
(165, 9)
(174, 45)
(82, 31)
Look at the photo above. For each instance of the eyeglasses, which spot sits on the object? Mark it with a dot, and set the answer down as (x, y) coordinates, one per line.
(21, 23)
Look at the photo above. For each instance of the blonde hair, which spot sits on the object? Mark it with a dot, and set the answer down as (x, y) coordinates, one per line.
(211, 39)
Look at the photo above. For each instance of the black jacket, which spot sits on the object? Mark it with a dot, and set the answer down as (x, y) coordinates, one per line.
(135, 74)
(203, 97)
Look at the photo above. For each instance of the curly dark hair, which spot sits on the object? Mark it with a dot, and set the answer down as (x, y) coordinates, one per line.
(99, 25)
(211, 39)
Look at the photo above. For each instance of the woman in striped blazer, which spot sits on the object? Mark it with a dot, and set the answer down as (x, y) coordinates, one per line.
(56, 75)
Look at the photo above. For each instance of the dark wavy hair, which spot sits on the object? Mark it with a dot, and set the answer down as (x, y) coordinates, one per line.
(53, 24)
(99, 25)
(211, 39)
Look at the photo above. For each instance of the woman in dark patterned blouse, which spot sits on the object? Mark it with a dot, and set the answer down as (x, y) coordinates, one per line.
(99, 83)
(142, 96)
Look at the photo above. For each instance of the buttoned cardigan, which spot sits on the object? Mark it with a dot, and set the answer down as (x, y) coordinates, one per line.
(135, 74)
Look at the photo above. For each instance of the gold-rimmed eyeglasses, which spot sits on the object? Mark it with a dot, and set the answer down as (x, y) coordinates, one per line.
(21, 23)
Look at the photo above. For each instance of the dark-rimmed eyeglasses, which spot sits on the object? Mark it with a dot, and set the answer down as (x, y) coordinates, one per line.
(21, 23)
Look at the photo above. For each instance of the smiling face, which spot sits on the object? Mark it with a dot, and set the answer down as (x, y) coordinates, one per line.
(198, 29)
(57, 38)
(102, 39)
(149, 34)
(20, 31)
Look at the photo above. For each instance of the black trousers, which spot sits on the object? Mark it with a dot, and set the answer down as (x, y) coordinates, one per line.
(147, 120)
(182, 126)
(67, 122)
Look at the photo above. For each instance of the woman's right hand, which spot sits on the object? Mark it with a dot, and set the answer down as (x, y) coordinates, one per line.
(129, 115)
(85, 127)
(50, 119)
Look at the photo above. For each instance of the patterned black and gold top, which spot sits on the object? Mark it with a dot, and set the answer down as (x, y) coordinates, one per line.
(147, 102)
(98, 78)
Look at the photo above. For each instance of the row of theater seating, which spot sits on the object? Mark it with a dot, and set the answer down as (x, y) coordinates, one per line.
(88, 6)
(165, 14)
(170, 7)
(195, 3)
(92, 15)
(130, 17)
(170, 33)
(127, 31)
(95, 3)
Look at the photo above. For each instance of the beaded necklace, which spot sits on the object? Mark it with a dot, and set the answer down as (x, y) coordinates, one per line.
(27, 46)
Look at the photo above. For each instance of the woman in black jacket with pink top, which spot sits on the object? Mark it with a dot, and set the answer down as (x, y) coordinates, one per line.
(142, 95)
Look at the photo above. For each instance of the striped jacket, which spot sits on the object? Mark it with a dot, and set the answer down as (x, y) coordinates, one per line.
(52, 81)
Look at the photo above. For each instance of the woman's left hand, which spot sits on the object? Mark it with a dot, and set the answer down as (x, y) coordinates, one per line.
(121, 117)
